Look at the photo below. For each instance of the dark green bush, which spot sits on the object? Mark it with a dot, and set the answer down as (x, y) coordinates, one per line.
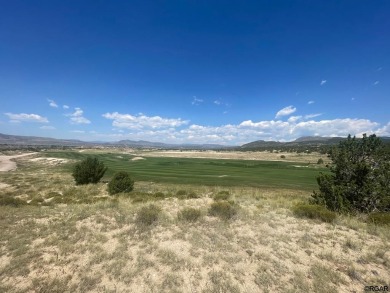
(314, 212)
(379, 218)
(148, 215)
(223, 209)
(320, 161)
(358, 181)
(189, 214)
(90, 170)
(282, 156)
(121, 182)
(222, 195)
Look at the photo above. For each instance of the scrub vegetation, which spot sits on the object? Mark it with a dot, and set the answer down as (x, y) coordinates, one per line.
(205, 234)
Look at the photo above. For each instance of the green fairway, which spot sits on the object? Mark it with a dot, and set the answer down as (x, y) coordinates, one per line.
(206, 171)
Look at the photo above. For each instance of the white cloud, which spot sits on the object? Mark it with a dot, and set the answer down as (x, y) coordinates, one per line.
(294, 118)
(196, 101)
(65, 107)
(77, 117)
(217, 102)
(47, 127)
(77, 131)
(309, 116)
(310, 102)
(22, 117)
(285, 111)
(376, 82)
(142, 121)
(241, 133)
(324, 81)
(52, 103)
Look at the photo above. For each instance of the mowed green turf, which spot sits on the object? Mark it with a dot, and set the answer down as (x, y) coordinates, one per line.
(205, 171)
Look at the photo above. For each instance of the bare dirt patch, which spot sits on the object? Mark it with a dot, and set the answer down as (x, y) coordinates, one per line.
(7, 163)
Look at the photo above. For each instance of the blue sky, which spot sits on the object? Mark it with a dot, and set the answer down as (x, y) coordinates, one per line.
(226, 72)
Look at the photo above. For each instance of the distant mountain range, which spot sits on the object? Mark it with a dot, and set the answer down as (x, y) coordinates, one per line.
(45, 141)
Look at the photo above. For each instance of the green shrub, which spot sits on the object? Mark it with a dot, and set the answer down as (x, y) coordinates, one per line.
(181, 192)
(90, 170)
(222, 195)
(359, 177)
(159, 195)
(223, 209)
(193, 195)
(189, 214)
(148, 215)
(282, 156)
(320, 161)
(121, 182)
(314, 212)
(379, 218)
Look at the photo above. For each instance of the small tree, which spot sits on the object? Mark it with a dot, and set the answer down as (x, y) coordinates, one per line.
(359, 179)
(320, 161)
(90, 170)
(121, 182)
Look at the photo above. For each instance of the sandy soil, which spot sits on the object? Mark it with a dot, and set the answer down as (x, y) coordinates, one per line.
(7, 163)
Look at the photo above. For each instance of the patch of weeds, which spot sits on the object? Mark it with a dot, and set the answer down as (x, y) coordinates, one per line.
(314, 212)
(193, 195)
(325, 279)
(221, 282)
(172, 283)
(181, 194)
(264, 277)
(169, 258)
(147, 215)
(189, 214)
(379, 218)
(159, 195)
(353, 273)
(53, 286)
(223, 209)
(299, 283)
(11, 201)
(349, 244)
(222, 195)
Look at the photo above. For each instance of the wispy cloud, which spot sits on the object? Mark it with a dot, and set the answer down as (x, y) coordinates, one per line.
(196, 101)
(52, 103)
(311, 102)
(309, 116)
(324, 81)
(77, 117)
(65, 107)
(77, 131)
(22, 117)
(285, 111)
(217, 102)
(376, 82)
(142, 121)
(47, 127)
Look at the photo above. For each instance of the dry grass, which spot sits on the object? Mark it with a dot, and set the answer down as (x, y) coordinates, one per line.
(103, 246)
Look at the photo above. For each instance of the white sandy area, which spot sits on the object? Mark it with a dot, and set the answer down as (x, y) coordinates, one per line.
(7, 163)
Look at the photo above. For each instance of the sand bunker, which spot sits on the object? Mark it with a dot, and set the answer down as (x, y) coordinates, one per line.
(50, 161)
(137, 158)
